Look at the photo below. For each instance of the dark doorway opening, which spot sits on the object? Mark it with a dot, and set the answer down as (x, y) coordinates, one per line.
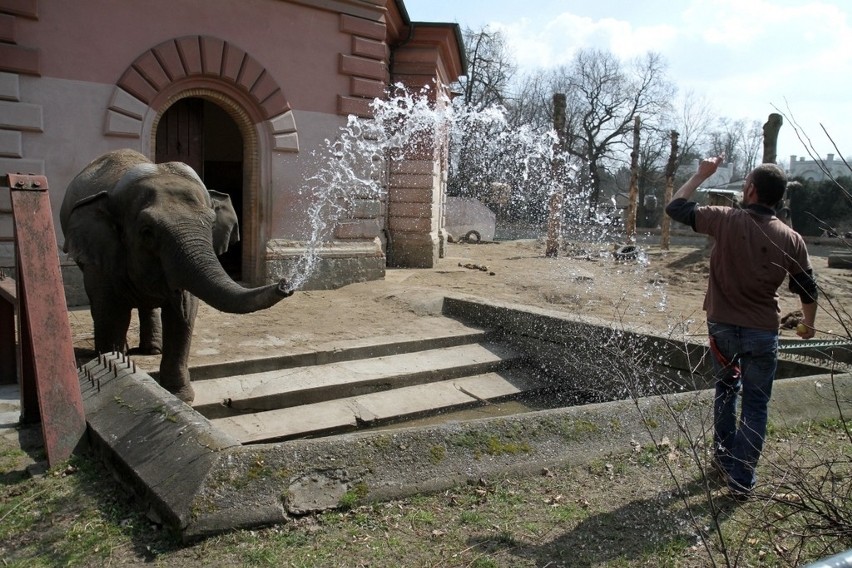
(202, 134)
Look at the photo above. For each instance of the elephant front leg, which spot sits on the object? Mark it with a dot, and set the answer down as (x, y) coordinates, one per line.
(110, 329)
(150, 333)
(177, 339)
(110, 315)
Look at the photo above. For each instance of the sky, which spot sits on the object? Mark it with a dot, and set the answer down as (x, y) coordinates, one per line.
(745, 58)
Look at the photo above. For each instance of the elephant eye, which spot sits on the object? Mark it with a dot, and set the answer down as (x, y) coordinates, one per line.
(147, 233)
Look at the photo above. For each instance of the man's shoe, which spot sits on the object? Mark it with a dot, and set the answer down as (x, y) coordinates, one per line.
(739, 492)
(718, 472)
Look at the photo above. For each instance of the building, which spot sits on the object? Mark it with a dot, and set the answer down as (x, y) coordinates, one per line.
(242, 90)
(815, 170)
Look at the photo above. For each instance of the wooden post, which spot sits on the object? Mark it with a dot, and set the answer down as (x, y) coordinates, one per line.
(554, 214)
(630, 221)
(671, 167)
(50, 387)
(770, 137)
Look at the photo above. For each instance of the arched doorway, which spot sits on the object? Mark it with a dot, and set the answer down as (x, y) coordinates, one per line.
(200, 133)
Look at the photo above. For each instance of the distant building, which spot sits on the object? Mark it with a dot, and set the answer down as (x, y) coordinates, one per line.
(815, 170)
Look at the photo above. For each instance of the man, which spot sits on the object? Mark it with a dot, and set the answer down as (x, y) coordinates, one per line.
(753, 253)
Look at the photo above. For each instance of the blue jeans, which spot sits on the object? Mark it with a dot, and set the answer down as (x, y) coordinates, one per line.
(745, 360)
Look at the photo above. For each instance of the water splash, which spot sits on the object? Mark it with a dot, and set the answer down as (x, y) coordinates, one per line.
(484, 148)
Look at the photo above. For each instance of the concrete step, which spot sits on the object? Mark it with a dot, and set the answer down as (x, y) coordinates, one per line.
(840, 259)
(439, 333)
(349, 413)
(280, 388)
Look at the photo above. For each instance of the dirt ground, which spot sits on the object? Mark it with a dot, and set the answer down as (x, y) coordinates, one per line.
(660, 291)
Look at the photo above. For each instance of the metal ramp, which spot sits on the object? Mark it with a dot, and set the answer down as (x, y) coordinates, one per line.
(839, 350)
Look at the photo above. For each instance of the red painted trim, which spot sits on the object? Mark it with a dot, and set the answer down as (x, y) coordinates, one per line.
(17, 59)
(25, 8)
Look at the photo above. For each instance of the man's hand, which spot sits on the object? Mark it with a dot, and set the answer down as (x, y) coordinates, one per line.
(805, 331)
(708, 166)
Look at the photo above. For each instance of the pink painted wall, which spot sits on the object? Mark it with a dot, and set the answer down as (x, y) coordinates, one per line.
(96, 40)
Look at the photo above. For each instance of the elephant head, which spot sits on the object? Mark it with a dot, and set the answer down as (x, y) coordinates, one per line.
(156, 230)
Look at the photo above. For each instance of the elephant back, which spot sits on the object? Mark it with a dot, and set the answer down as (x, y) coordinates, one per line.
(101, 175)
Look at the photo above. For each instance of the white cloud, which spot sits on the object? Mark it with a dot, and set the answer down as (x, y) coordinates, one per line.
(559, 39)
(743, 56)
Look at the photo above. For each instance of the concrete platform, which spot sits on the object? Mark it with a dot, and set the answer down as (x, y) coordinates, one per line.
(201, 481)
(441, 332)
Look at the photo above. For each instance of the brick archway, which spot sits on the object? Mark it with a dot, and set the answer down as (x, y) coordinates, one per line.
(206, 62)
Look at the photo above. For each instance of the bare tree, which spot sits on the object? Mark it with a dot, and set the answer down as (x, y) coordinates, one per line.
(490, 71)
(692, 121)
(690, 114)
(604, 96)
(723, 141)
(490, 68)
(751, 144)
(740, 141)
(650, 174)
(531, 101)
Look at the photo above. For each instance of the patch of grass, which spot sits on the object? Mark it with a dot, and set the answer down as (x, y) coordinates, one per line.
(354, 496)
(835, 424)
(576, 429)
(382, 442)
(9, 460)
(483, 562)
(482, 443)
(437, 454)
(603, 468)
(648, 456)
(75, 522)
(258, 470)
(472, 518)
(496, 447)
(421, 517)
(567, 513)
(670, 553)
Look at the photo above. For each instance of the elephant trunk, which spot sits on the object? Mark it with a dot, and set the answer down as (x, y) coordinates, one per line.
(195, 268)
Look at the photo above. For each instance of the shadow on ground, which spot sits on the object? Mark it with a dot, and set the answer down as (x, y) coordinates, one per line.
(645, 528)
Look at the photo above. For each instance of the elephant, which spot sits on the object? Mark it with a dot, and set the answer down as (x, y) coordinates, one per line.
(146, 236)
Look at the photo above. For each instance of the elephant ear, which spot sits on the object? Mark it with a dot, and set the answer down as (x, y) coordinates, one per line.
(91, 235)
(226, 229)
